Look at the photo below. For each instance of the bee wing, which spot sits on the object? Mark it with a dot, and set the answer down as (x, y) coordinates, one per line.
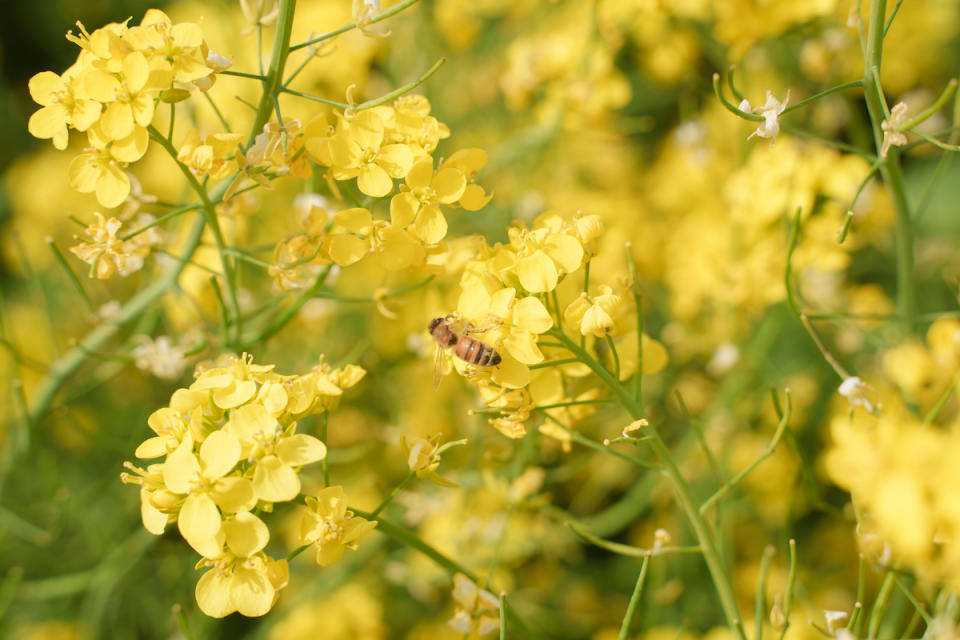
(437, 366)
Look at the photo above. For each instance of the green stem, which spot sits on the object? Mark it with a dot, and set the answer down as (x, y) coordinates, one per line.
(634, 601)
(701, 529)
(273, 79)
(383, 15)
(760, 599)
(409, 538)
(210, 215)
(72, 360)
(70, 274)
(814, 98)
(890, 169)
(393, 494)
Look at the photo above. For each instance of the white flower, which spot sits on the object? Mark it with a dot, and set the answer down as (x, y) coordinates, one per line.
(859, 394)
(160, 357)
(833, 618)
(770, 111)
(892, 137)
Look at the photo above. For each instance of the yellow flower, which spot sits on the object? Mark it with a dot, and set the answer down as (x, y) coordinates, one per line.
(330, 526)
(177, 48)
(469, 162)
(276, 453)
(771, 110)
(423, 458)
(64, 105)
(422, 196)
(892, 136)
(593, 315)
(248, 585)
(214, 156)
(208, 489)
(99, 168)
(544, 254)
(514, 326)
(477, 610)
(106, 253)
(128, 96)
(234, 385)
(415, 127)
(357, 150)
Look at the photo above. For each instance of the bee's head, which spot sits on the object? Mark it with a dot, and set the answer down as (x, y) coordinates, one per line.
(434, 324)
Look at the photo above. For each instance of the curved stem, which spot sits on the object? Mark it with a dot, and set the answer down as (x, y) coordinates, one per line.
(210, 215)
(701, 529)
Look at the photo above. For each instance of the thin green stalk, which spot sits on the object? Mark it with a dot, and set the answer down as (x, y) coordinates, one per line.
(279, 321)
(857, 625)
(700, 527)
(409, 538)
(848, 216)
(160, 220)
(590, 444)
(70, 274)
(309, 96)
(399, 91)
(213, 222)
(634, 601)
(791, 581)
(893, 14)
(216, 110)
(701, 438)
(182, 623)
(273, 78)
(822, 94)
(908, 592)
(760, 598)
(242, 74)
(72, 360)
(383, 15)
(503, 615)
(880, 604)
(625, 549)
(572, 403)
(774, 441)
(892, 175)
(393, 494)
(616, 358)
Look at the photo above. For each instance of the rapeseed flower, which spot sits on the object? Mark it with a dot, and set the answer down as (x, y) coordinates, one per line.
(328, 524)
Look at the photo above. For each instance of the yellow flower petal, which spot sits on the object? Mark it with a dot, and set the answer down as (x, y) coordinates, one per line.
(246, 534)
(234, 395)
(274, 481)
(449, 185)
(357, 220)
(251, 592)
(511, 373)
(213, 594)
(565, 250)
(300, 449)
(529, 314)
(431, 226)
(199, 521)
(420, 174)
(537, 272)
(474, 198)
(219, 453)
(374, 181)
(234, 494)
(181, 468)
(329, 553)
(522, 346)
(346, 249)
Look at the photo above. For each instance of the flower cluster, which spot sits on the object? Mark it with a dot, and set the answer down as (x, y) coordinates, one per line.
(901, 474)
(107, 254)
(111, 92)
(509, 299)
(231, 451)
(386, 143)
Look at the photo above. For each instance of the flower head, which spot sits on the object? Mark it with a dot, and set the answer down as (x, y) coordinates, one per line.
(771, 110)
(330, 526)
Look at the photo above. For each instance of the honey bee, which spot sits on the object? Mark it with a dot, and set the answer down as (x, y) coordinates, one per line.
(468, 349)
